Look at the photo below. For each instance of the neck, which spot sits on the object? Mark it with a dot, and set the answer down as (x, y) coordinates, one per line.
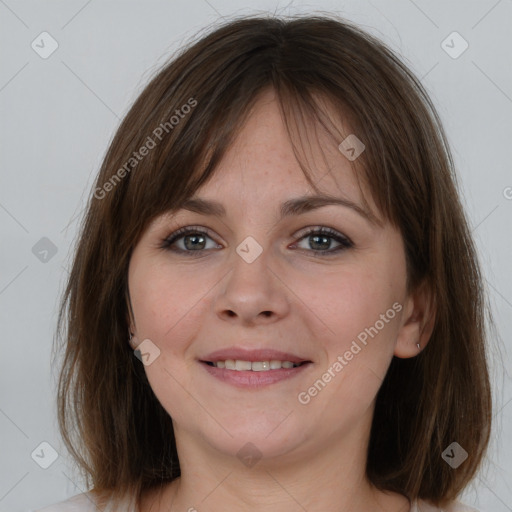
(313, 478)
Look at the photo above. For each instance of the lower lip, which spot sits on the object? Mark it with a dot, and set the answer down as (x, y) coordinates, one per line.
(251, 379)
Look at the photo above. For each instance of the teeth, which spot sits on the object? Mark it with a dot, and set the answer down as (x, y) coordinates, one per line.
(255, 366)
(260, 366)
(242, 365)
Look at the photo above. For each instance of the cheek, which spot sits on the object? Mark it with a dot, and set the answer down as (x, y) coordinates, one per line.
(352, 299)
(167, 310)
(357, 307)
(162, 301)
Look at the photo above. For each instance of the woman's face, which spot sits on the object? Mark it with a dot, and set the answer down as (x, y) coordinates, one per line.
(253, 282)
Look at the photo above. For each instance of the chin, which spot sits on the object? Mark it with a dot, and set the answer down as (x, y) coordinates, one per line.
(253, 440)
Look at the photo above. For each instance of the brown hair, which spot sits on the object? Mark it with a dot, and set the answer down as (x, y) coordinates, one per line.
(124, 441)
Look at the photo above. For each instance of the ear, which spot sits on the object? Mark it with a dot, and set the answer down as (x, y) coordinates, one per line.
(131, 330)
(134, 341)
(418, 322)
(131, 323)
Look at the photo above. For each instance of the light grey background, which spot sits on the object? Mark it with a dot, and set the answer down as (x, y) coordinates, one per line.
(58, 115)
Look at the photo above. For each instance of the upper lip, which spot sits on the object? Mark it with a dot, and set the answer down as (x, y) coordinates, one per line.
(264, 354)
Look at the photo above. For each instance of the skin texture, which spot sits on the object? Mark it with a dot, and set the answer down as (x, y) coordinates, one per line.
(314, 454)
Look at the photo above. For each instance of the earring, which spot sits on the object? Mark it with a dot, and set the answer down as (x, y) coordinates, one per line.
(419, 346)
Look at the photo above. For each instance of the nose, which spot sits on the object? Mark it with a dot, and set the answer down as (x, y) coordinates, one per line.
(252, 293)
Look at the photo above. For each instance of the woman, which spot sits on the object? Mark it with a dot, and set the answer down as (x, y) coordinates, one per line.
(275, 301)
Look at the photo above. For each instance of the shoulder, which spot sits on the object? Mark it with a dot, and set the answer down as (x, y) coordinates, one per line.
(456, 506)
(80, 503)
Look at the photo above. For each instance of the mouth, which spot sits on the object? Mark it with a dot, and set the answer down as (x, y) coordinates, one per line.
(261, 373)
(253, 369)
(254, 366)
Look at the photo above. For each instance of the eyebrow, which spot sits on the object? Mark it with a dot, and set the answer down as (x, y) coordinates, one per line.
(296, 206)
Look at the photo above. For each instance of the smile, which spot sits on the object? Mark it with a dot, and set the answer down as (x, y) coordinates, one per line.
(253, 374)
(255, 366)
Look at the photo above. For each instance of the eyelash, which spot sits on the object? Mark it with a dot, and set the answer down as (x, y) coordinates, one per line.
(345, 242)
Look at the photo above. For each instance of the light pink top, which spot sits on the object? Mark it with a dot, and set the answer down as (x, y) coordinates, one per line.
(84, 503)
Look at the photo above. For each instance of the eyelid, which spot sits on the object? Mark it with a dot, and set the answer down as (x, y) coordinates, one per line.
(343, 240)
(185, 230)
(324, 230)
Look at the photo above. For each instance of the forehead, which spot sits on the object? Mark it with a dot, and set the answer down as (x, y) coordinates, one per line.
(261, 166)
